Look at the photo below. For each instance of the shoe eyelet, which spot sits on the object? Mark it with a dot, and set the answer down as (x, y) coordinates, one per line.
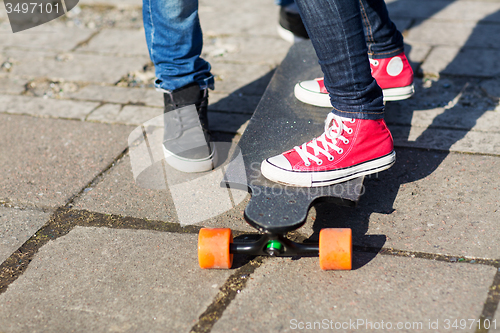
(352, 121)
(319, 163)
(346, 141)
(340, 151)
(330, 158)
(349, 130)
(307, 164)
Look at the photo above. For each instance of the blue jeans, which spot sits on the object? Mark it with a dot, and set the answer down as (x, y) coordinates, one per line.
(175, 40)
(337, 31)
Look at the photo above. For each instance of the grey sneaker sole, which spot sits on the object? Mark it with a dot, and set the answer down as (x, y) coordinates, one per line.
(191, 165)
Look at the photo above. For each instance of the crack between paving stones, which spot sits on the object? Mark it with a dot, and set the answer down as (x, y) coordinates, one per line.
(227, 293)
(490, 305)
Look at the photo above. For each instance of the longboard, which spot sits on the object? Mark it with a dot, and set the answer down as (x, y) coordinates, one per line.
(279, 123)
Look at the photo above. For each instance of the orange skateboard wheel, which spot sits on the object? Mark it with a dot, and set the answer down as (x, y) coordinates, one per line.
(213, 248)
(335, 249)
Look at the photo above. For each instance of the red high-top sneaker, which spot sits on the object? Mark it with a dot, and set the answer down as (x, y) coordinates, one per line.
(394, 75)
(348, 148)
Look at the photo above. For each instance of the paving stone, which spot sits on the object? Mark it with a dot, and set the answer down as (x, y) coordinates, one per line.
(11, 85)
(72, 66)
(116, 3)
(119, 42)
(467, 34)
(256, 18)
(448, 140)
(101, 280)
(419, 9)
(477, 11)
(119, 95)
(245, 49)
(453, 61)
(128, 115)
(456, 104)
(17, 226)
(444, 10)
(241, 78)
(283, 293)
(155, 191)
(45, 162)
(441, 33)
(53, 37)
(46, 107)
(416, 54)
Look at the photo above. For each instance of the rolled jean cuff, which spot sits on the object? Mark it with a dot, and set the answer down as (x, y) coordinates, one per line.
(369, 115)
(204, 83)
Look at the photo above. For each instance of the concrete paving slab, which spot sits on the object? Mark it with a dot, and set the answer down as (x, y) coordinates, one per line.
(47, 161)
(441, 33)
(118, 42)
(119, 95)
(474, 11)
(101, 280)
(245, 49)
(453, 61)
(467, 34)
(285, 295)
(53, 37)
(240, 78)
(73, 66)
(419, 9)
(128, 115)
(256, 18)
(450, 114)
(12, 85)
(448, 140)
(116, 3)
(46, 107)
(17, 226)
(149, 196)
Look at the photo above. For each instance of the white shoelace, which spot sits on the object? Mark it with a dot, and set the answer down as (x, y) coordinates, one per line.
(334, 127)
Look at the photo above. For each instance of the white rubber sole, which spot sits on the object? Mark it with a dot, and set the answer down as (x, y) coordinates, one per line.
(323, 100)
(325, 178)
(191, 165)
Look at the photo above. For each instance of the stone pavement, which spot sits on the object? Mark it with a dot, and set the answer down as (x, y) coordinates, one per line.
(85, 247)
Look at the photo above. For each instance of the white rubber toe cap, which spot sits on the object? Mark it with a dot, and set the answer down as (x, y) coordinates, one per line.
(310, 85)
(281, 162)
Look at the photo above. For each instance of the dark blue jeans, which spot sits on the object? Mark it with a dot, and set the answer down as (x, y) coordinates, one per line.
(337, 30)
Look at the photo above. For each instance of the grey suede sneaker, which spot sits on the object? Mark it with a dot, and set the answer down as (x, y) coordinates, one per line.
(186, 140)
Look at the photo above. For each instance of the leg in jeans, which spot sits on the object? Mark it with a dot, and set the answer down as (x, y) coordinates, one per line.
(336, 31)
(385, 47)
(382, 37)
(175, 40)
(356, 140)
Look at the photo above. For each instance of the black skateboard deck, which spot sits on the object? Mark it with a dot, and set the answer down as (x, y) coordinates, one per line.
(280, 123)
